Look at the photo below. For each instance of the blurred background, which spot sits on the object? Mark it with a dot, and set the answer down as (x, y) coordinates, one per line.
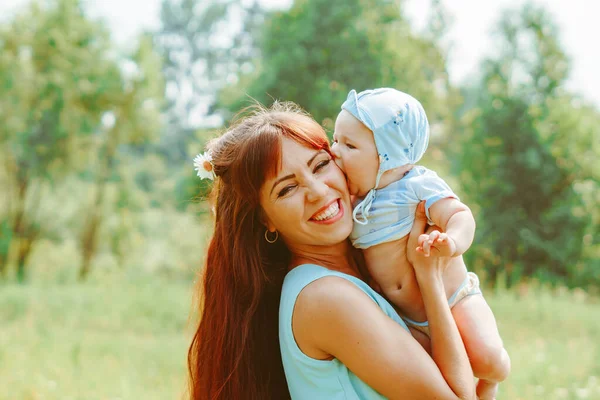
(103, 223)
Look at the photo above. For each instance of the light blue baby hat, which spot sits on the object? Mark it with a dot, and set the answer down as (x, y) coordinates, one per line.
(400, 127)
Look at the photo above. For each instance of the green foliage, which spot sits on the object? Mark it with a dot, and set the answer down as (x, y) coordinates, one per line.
(126, 336)
(204, 44)
(5, 237)
(86, 183)
(108, 340)
(189, 188)
(62, 82)
(57, 82)
(318, 50)
(518, 158)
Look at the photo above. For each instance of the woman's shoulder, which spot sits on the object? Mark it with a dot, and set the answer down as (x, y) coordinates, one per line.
(310, 322)
(316, 283)
(320, 286)
(330, 295)
(308, 292)
(306, 274)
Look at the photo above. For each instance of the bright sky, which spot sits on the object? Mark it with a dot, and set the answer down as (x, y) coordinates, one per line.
(470, 35)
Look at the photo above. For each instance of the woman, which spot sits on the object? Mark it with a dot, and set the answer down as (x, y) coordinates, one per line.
(283, 212)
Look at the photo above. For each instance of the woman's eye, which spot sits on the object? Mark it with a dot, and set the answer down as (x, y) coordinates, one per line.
(285, 190)
(321, 165)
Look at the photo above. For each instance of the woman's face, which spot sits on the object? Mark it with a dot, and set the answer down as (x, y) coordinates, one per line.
(307, 201)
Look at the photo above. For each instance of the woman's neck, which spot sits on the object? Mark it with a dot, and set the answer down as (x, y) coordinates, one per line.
(337, 257)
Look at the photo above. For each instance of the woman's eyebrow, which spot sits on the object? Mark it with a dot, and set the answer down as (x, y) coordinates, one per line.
(308, 163)
(278, 181)
(314, 156)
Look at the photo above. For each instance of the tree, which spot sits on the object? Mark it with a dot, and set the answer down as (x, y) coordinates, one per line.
(522, 184)
(57, 82)
(134, 118)
(205, 45)
(60, 77)
(318, 50)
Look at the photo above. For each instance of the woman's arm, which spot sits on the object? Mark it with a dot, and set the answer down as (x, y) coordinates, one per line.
(447, 348)
(334, 318)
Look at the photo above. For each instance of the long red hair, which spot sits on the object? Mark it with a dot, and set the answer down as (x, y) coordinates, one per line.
(235, 352)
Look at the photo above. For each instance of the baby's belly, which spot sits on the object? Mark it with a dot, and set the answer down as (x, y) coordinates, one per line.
(390, 268)
(409, 300)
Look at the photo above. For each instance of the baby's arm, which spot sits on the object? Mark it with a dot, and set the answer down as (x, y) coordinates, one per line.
(457, 221)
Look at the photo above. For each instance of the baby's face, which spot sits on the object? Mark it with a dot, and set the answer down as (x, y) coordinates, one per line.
(355, 153)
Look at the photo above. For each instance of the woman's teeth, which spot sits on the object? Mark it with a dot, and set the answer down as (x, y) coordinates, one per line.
(330, 212)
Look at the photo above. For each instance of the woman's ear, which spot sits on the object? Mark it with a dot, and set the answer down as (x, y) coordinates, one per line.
(266, 221)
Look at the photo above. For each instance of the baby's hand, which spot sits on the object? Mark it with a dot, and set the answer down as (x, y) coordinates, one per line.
(443, 244)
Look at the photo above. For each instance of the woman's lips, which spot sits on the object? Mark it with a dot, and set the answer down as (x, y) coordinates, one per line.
(332, 219)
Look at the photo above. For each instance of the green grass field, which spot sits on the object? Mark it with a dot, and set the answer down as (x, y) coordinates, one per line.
(127, 339)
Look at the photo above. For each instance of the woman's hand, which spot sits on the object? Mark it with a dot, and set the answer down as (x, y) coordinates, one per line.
(419, 245)
(334, 318)
(419, 228)
(448, 350)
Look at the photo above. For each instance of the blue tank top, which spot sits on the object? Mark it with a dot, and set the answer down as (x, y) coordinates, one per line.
(313, 379)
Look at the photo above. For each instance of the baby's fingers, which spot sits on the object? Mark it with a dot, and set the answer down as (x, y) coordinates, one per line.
(443, 238)
(426, 245)
(420, 241)
(433, 236)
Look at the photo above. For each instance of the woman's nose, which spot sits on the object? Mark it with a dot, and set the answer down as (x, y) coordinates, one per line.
(317, 189)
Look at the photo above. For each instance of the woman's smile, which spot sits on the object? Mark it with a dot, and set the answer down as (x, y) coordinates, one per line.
(307, 201)
(330, 213)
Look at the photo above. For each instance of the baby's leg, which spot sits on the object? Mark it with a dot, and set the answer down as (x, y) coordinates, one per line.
(478, 329)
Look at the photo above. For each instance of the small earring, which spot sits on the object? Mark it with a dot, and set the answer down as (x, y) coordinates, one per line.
(271, 240)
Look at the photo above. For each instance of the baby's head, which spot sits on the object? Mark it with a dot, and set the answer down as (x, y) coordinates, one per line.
(377, 131)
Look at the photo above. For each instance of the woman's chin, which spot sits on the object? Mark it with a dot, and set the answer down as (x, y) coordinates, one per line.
(342, 228)
(346, 224)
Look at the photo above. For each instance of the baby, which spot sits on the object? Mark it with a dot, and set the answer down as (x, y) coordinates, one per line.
(379, 137)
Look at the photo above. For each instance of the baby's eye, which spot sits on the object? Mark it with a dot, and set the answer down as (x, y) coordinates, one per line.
(350, 146)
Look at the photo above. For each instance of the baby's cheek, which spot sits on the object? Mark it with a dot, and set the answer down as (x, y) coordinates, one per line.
(353, 175)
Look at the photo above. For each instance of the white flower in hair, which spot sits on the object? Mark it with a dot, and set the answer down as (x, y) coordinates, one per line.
(203, 166)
